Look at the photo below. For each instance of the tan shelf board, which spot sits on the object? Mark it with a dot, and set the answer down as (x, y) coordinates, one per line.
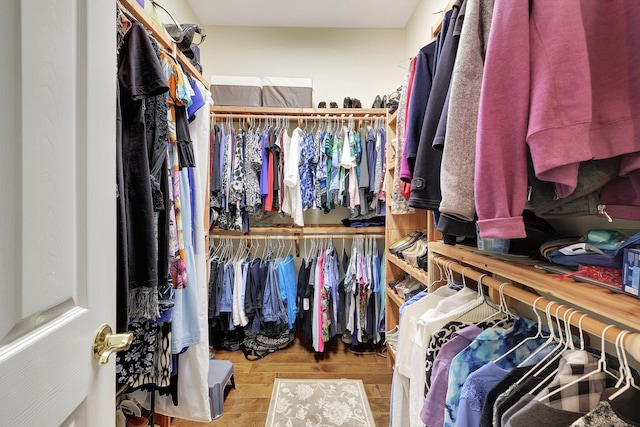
(393, 118)
(340, 229)
(416, 273)
(391, 355)
(620, 308)
(394, 297)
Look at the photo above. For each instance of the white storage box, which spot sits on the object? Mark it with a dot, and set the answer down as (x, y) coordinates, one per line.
(287, 92)
(236, 91)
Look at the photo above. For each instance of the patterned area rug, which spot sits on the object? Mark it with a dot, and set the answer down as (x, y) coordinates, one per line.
(311, 403)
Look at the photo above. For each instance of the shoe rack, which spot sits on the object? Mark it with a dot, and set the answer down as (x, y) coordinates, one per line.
(398, 226)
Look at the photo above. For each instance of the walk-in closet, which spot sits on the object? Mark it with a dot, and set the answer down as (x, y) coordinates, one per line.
(368, 213)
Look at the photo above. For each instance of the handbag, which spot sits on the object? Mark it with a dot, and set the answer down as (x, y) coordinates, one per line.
(183, 36)
(259, 345)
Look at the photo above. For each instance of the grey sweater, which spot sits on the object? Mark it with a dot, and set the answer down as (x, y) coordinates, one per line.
(458, 157)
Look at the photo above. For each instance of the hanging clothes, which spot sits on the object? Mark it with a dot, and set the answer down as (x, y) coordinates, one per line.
(137, 286)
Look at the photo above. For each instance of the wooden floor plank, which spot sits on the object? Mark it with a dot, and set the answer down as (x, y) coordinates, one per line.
(248, 404)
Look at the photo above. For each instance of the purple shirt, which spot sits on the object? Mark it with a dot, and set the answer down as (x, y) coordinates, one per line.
(264, 171)
(474, 393)
(432, 413)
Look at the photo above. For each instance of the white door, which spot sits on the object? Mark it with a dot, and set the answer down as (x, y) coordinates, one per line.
(57, 226)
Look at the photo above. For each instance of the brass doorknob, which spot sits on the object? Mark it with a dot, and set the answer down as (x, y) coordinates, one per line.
(107, 342)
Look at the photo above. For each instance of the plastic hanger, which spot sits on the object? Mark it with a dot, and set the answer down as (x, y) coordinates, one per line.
(567, 342)
(602, 365)
(551, 339)
(483, 301)
(521, 343)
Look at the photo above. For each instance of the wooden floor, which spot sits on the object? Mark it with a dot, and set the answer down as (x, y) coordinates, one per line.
(248, 404)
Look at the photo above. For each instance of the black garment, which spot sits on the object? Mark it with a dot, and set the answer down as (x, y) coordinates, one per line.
(216, 181)
(420, 91)
(155, 115)
(253, 295)
(213, 289)
(525, 387)
(343, 265)
(305, 296)
(425, 186)
(486, 417)
(140, 76)
(186, 156)
(449, 224)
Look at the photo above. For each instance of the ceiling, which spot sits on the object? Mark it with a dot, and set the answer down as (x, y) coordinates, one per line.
(305, 13)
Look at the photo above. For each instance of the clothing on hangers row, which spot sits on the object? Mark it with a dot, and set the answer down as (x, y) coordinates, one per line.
(333, 294)
(472, 157)
(463, 361)
(161, 263)
(259, 168)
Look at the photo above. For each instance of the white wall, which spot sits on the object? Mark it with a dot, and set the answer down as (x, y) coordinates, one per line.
(418, 29)
(358, 63)
(179, 9)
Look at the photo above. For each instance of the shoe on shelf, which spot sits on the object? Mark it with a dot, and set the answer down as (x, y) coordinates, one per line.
(333, 104)
(418, 249)
(322, 104)
(377, 103)
(404, 243)
(405, 239)
(423, 262)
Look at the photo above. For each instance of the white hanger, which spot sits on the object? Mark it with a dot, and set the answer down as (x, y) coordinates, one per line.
(559, 353)
(535, 337)
(551, 339)
(602, 368)
(625, 371)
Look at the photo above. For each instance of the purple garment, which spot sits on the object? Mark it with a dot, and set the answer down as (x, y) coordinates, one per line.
(197, 101)
(223, 148)
(192, 198)
(474, 393)
(432, 413)
(264, 172)
(572, 96)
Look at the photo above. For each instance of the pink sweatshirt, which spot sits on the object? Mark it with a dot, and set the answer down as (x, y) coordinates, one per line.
(562, 79)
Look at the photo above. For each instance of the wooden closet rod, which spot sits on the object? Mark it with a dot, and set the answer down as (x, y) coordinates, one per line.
(296, 111)
(291, 236)
(240, 117)
(588, 324)
(162, 37)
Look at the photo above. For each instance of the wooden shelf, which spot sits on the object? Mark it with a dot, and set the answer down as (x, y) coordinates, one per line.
(620, 308)
(393, 296)
(393, 118)
(414, 272)
(391, 356)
